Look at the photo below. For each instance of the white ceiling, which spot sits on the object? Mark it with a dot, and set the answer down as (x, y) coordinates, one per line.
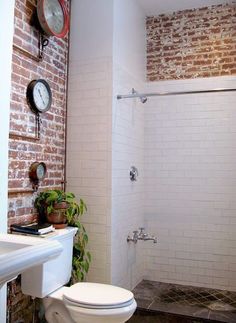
(156, 7)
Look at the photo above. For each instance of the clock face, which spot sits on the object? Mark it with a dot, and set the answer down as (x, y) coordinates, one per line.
(37, 172)
(39, 95)
(53, 17)
(40, 171)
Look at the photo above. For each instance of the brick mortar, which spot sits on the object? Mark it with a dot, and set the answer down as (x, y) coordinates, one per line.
(192, 43)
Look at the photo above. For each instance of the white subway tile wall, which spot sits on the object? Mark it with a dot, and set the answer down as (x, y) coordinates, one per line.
(127, 142)
(105, 137)
(127, 196)
(89, 138)
(190, 184)
(103, 142)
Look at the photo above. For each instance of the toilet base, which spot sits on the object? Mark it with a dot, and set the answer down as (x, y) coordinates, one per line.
(56, 311)
(114, 315)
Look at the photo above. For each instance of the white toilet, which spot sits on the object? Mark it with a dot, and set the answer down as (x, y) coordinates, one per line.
(80, 303)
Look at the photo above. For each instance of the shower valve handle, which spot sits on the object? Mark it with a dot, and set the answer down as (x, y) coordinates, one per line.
(135, 233)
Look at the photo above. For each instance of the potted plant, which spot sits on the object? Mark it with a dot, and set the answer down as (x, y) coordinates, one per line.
(61, 208)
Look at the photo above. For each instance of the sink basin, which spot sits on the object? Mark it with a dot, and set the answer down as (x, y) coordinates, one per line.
(19, 253)
(6, 247)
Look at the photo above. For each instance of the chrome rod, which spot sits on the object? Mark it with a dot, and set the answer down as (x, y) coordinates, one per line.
(142, 95)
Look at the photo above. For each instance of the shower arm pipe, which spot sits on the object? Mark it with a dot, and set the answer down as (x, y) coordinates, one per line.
(141, 95)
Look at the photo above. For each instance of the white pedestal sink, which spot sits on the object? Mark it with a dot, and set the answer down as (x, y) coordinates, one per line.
(19, 253)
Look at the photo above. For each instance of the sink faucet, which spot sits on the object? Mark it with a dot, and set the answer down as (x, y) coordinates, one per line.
(141, 235)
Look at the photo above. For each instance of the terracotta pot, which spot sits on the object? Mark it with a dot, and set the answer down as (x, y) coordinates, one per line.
(58, 215)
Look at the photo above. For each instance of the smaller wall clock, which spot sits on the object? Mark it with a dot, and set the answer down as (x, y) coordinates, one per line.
(37, 173)
(53, 17)
(39, 96)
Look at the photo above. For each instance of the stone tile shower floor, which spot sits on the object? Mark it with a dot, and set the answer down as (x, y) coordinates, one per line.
(171, 303)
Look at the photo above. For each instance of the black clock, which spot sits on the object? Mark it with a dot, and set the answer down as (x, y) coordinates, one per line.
(39, 96)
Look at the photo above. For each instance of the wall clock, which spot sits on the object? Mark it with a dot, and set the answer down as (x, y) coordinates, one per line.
(37, 173)
(53, 17)
(39, 96)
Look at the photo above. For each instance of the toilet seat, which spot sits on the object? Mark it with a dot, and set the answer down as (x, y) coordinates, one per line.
(97, 296)
(105, 307)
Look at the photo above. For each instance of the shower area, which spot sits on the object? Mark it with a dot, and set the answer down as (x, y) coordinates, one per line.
(126, 58)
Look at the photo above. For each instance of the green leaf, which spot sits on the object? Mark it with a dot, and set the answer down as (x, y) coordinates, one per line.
(52, 197)
(81, 257)
(89, 256)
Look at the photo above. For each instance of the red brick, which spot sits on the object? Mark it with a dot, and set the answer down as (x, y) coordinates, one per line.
(206, 34)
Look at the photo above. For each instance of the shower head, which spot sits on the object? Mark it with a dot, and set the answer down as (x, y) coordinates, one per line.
(143, 99)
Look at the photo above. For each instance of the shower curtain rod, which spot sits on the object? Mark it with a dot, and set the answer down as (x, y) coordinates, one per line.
(143, 96)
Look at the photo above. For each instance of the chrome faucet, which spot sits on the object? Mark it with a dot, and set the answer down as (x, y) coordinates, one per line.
(133, 174)
(141, 235)
(145, 237)
(134, 238)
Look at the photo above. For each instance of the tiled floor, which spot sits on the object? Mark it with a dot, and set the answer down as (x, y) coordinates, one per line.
(142, 316)
(169, 303)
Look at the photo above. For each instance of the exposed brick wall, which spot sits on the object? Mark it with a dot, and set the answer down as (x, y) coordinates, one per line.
(50, 148)
(192, 43)
(22, 308)
(24, 147)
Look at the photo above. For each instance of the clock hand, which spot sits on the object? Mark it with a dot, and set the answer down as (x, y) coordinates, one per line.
(41, 96)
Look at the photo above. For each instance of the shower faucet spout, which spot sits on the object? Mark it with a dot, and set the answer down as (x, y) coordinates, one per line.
(145, 236)
(141, 235)
(151, 238)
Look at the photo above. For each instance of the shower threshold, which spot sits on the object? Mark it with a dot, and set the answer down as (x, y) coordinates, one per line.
(171, 303)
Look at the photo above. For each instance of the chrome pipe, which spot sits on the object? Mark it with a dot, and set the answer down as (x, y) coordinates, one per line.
(135, 94)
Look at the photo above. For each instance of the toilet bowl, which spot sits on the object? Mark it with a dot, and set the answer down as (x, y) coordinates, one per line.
(89, 303)
(80, 303)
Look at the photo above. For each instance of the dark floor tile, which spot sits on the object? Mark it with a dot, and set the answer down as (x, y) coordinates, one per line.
(192, 303)
(152, 317)
(223, 316)
(146, 289)
(145, 318)
(143, 303)
(189, 311)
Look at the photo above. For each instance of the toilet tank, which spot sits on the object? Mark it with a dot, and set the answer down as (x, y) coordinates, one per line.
(40, 281)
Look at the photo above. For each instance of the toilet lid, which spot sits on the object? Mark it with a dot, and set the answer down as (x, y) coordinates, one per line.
(93, 295)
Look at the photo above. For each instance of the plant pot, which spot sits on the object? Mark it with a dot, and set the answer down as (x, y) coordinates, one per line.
(58, 216)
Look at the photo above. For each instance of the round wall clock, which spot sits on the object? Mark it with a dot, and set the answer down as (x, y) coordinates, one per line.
(39, 95)
(53, 17)
(37, 173)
